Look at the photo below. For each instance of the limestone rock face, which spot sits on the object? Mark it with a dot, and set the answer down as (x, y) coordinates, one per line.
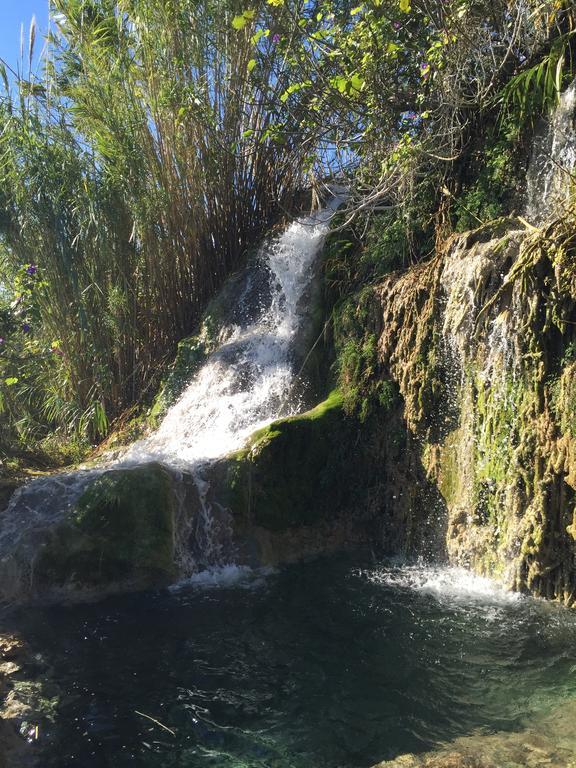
(481, 341)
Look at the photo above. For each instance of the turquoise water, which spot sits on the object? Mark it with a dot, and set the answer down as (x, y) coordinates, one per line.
(326, 664)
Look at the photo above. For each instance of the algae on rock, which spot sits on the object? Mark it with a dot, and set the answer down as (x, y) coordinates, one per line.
(119, 534)
(122, 528)
(480, 341)
(325, 480)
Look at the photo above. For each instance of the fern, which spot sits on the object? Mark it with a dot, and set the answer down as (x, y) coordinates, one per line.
(537, 89)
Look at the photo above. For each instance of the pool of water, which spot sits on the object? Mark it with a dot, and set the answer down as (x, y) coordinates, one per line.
(326, 664)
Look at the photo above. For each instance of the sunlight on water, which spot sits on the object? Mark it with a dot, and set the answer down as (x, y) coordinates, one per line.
(326, 664)
(446, 584)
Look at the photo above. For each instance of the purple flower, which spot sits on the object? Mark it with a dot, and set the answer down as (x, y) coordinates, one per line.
(276, 38)
(396, 25)
(31, 269)
(26, 327)
(1, 340)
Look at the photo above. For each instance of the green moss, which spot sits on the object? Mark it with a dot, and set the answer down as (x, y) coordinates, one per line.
(122, 529)
(192, 352)
(301, 470)
(360, 380)
(563, 397)
(398, 237)
(450, 475)
(494, 178)
(376, 244)
(294, 464)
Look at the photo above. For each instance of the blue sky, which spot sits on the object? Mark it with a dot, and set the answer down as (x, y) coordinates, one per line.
(12, 14)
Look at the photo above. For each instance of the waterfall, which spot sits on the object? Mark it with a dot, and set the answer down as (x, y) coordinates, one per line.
(553, 162)
(246, 383)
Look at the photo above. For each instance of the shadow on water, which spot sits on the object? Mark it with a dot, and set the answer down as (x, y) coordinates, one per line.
(323, 664)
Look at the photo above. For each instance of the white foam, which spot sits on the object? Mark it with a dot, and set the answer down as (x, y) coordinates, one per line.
(222, 576)
(446, 584)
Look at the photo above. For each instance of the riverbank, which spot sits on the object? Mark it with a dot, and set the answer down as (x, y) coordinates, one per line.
(19, 729)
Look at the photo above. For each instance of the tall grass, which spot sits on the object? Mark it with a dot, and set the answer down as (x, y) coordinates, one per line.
(135, 173)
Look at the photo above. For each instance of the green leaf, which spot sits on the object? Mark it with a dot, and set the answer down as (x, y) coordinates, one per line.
(356, 82)
(251, 65)
(239, 22)
(341, 83)
(11, 381)
(259, 35)
(405, 6)
(348, 84)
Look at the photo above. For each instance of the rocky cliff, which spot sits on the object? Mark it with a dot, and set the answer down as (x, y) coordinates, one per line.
(481, 341)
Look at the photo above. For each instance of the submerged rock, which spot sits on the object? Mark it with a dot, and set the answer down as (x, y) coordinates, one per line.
(27, 706)
(444, 760)
(547, 741)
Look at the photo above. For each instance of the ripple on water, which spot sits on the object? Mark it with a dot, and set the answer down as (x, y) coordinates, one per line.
(318, 665)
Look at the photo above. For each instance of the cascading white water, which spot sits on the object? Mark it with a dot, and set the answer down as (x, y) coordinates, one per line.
(550, 176)
(245, 384)
(551, 171)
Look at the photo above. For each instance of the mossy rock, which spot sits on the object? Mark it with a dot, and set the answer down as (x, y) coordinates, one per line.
(298, 471)
(192, 352)
(122, 530)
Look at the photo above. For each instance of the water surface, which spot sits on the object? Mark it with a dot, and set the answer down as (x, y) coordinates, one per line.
(326, 664)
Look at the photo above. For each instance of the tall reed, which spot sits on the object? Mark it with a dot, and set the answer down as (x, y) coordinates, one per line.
(135, 173)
